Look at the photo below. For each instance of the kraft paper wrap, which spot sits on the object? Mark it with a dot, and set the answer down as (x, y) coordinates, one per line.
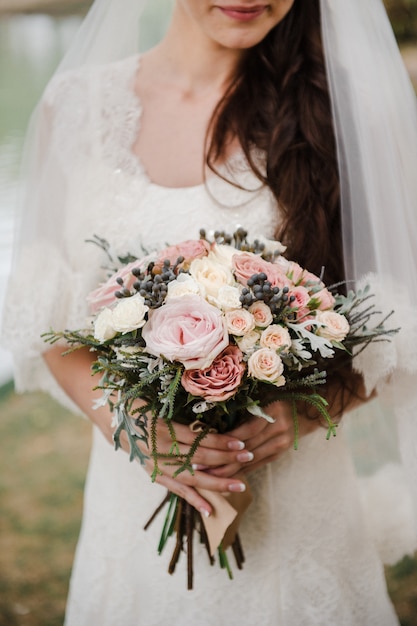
(228, 509)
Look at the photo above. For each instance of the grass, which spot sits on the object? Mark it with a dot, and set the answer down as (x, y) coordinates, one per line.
(42, 468)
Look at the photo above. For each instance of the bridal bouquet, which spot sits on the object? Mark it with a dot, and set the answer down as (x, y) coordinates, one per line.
(207, 332)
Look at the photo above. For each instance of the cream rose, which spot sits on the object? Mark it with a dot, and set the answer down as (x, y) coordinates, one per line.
(262, 314)
(275, 337)
(103, 326)
(282, 263)
(271, 246)
(211, 275)
(239, 322)
(228, 298)
(335, 326)
(183, 285)
(223, 254)
(129, 314)
(248, 342)
(265, 364)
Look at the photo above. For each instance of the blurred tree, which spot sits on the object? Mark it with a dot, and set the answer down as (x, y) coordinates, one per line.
(403, 15)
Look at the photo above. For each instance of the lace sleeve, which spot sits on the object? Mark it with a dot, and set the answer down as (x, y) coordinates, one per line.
(45, 288)
(390, 367)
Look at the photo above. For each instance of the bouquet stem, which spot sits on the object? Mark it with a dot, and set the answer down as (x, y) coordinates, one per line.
(183, 519)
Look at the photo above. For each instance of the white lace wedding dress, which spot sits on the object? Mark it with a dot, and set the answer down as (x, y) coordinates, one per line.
(310, 557)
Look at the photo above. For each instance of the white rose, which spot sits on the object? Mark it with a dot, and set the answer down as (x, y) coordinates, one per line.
(266, 364)
(103, 326)
(239, 322)
(262, 314)
(248, 342)
(211, 275)
(223, 254)
(183, 285)
(228, 298)
(129, 314)
(335, 326)
(275, 337)
(271, 246)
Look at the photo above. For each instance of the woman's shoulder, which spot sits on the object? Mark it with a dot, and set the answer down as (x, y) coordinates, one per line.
(82, 104)
(70, 86)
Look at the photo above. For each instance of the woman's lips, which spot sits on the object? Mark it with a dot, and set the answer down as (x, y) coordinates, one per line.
(243, 14)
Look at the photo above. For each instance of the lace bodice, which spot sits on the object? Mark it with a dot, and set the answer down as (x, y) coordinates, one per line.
(108, 194)
(310, 557)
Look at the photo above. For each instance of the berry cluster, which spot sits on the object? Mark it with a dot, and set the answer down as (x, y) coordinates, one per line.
(152, 284)
(260, 289)
(239, 241)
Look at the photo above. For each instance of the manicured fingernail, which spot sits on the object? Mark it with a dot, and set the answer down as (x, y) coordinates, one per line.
(205, 513)
(199, 468)
(236, 445)
(239, 487)
(244, 457)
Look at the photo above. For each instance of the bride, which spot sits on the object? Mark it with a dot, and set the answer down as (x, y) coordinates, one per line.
(267, 115)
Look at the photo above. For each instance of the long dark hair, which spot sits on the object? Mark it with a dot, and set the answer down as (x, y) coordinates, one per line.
(279, 102)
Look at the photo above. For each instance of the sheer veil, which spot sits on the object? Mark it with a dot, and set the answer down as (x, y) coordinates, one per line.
(375, 119)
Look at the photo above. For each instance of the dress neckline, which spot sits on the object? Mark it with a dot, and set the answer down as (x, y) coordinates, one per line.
(121, 115)
(236, 160)
(137, 104)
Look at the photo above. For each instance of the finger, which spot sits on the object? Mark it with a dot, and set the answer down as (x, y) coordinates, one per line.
(249, 429)
(213, 458)
(272, 448)
(226, 471)
(269, 450)
(214, 441)
(203, 480)
(188, 493)
(256, 465)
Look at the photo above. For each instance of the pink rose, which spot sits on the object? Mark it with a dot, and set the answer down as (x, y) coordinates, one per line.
(104, 296)
(247, 264)
(295, 272)
(311, 280)
(323, 299)
(188, 330)
(219, 381)
(300, 303)
(190, 250)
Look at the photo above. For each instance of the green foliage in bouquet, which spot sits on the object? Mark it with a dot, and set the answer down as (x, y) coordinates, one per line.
(207, 333)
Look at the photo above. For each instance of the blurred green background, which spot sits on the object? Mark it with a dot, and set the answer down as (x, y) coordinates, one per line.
(44, 451)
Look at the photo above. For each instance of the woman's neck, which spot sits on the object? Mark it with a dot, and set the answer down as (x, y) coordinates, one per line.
(191, 61)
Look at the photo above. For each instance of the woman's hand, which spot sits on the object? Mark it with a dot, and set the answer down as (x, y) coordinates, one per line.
(73, 373)
(266, 441)
(218, 459)
(214, 450)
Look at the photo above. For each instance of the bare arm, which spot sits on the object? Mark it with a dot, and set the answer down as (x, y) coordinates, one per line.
(73, 374)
